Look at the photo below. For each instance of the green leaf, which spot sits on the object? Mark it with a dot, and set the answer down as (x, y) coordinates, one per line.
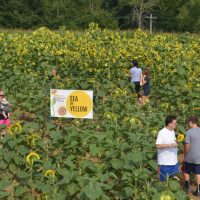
(126, 193)
(93, 191)
(56, 135)
(4, 194)
(87, 164)
(72, 188)
(22, 150)
(3, 165)
(134, 156)
(174, 185)
(70, 164)
(8, 156)
(12, 168)
(22, 174)
(45, 188)
(19, 191)
(30, 127)
(59, 196)
(12, 143)
(2, 126)
(4, 183)
(50, 126)
(94, 150)
(18, 160)
(68, 175)
(153, 164)
(117, 164)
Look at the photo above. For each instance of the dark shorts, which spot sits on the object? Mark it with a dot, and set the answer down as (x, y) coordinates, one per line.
(137, 87)
(189, 168)
(167, 171)
(146, 92)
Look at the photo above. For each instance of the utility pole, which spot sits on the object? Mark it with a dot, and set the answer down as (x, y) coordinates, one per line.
(92, 6)
(151, 22)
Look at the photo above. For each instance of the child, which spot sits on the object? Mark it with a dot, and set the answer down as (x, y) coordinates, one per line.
(4, 110)
(4, 107)
(145, 82)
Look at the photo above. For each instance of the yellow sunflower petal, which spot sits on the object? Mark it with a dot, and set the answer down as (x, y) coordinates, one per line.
(50, 173)
(31, 157)
(15, 128)
(180, 137)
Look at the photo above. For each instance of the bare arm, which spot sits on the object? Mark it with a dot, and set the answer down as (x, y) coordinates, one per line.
(186, 148)
(164, 146)
(143, 80)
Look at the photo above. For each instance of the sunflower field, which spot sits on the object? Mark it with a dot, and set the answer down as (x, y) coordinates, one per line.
(112, 156)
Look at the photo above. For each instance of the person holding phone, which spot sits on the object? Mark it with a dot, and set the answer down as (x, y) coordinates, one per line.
(136, 75)
(167, 149)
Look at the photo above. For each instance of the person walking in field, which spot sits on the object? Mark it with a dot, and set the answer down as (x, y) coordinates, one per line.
(136, 75)
(51, 78)
(145, 82)
(4, 110)
(167, 150)
(192, 155)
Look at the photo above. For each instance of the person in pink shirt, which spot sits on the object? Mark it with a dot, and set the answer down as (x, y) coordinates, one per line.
(4, 110)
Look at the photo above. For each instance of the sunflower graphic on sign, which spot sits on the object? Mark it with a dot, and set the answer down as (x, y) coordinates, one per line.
(53, 101)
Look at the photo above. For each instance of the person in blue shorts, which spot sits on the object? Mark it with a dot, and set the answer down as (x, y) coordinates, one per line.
(167, 150)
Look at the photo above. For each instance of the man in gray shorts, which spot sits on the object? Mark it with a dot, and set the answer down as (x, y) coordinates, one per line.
(192, 154)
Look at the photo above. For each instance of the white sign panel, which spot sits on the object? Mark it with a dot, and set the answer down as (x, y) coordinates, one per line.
(71, 103)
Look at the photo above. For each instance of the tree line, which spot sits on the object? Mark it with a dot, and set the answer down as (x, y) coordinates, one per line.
(172, 15)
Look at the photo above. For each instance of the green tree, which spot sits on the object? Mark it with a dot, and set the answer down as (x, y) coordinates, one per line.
(173, 15)
(167, 13)
(134, 11)
(140, 8)
(189, 16)
(21, 13)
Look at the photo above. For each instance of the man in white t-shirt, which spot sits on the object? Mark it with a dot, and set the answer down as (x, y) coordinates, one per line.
(167, 149)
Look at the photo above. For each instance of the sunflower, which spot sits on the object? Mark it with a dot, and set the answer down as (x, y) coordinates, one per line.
(154, 132)
(50, 173)
(15, 128)
(180, 137)
(167, 195)
(32, 140)
(107, 115)
(133, 121)
(44, 196)
(31, 157)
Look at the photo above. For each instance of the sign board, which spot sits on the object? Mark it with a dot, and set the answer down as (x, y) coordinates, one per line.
(71, 103)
